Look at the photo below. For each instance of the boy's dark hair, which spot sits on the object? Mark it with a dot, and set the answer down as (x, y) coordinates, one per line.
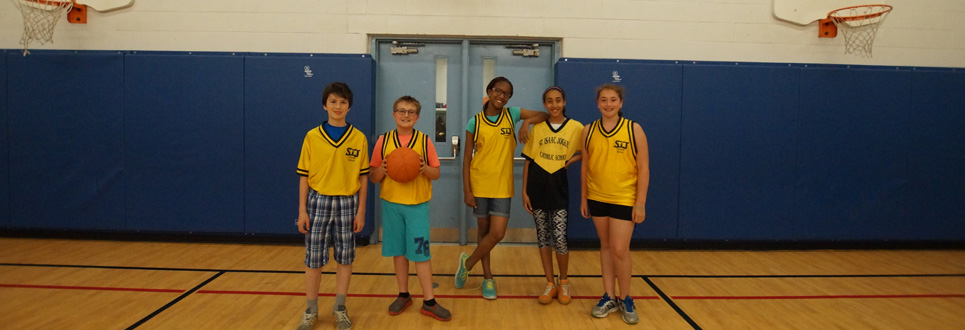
(492, 84)
(338, 88)
(408, 99)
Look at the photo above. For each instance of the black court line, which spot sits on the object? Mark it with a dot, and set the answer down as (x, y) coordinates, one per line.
(268, 271)
(671, 303)
(118, 267)
(176, 300)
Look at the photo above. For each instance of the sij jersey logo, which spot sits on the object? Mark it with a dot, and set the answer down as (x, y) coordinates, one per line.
(506, 131)
(621, 146)
(351, 153)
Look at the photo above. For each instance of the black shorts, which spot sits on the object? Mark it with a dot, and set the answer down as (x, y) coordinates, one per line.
(600, 209)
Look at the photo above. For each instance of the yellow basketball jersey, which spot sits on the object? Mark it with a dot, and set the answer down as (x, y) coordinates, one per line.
(333, 167)
(552, 148)
(491, 170)
(417, 191)
(612, 164)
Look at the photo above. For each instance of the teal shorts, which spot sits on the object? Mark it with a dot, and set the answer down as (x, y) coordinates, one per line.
(405, 231)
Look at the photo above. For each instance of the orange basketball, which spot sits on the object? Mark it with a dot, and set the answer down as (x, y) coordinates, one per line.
(402, 164)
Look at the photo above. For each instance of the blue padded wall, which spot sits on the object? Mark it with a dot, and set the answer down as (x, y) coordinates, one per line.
(282, 103)
(4, 142)
(852, 157)
(183, 143)
(738, 152)
(65, 127)
(652, 99)
(936, 161)
(184, 129)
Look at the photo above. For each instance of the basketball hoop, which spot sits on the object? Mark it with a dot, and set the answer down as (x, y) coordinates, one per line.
(39, 19)
(859, 24)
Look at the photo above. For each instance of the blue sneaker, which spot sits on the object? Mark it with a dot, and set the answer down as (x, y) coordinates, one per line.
(605, 306)
(489, 289)
(629, 311)
(462, 274)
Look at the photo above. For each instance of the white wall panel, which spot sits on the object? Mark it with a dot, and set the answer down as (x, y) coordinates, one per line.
(917, 33)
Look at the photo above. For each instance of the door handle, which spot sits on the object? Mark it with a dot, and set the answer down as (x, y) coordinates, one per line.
(455, 149)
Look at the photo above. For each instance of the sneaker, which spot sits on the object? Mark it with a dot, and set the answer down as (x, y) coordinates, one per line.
(437, 312)
(307, 321)
(489, 289)
(564, 294)
(548, 293)
(605, 306)
(629, 311)
(462, 274)
(341, 320)
(399, 305)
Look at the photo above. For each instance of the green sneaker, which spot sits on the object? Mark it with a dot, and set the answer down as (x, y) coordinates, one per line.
(489, 289)
(462, 274)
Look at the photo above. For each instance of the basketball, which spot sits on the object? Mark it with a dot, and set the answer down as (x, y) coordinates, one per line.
(402, 164)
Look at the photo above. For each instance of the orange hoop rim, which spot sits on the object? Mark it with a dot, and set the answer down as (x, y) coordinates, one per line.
(53, 3)
(886, 9)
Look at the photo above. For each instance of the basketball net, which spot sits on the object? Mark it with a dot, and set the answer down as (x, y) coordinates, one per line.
(39, 19)
(859, 24)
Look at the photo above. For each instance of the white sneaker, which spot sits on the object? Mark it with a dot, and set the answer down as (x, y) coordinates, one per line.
(307, 321)
(341, 320)
(606, 306)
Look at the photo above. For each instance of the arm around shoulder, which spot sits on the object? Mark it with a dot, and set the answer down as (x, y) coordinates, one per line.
(529, 118)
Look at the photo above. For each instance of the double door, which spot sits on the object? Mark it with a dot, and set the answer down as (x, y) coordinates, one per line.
(449, 79)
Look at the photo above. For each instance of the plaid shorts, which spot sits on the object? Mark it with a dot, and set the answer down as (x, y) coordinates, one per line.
(331, 219)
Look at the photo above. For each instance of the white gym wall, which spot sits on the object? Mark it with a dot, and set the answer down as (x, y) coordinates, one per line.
(916, 33)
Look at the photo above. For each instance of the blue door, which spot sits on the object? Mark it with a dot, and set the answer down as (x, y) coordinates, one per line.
(449, 79)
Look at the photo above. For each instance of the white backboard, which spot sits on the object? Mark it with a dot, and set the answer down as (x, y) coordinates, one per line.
(804, 12)
(106, 5)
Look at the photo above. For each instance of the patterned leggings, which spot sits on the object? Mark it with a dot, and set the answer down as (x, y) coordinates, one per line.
(551, 232)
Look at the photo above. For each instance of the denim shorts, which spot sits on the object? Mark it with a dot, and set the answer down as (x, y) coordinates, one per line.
(491, 206)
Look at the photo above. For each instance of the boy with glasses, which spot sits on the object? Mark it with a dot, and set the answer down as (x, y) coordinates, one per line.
(405, 207)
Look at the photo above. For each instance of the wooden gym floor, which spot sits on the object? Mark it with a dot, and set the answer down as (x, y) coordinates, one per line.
(51, 284)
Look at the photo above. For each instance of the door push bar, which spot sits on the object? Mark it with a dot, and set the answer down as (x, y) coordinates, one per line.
(455, 151)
